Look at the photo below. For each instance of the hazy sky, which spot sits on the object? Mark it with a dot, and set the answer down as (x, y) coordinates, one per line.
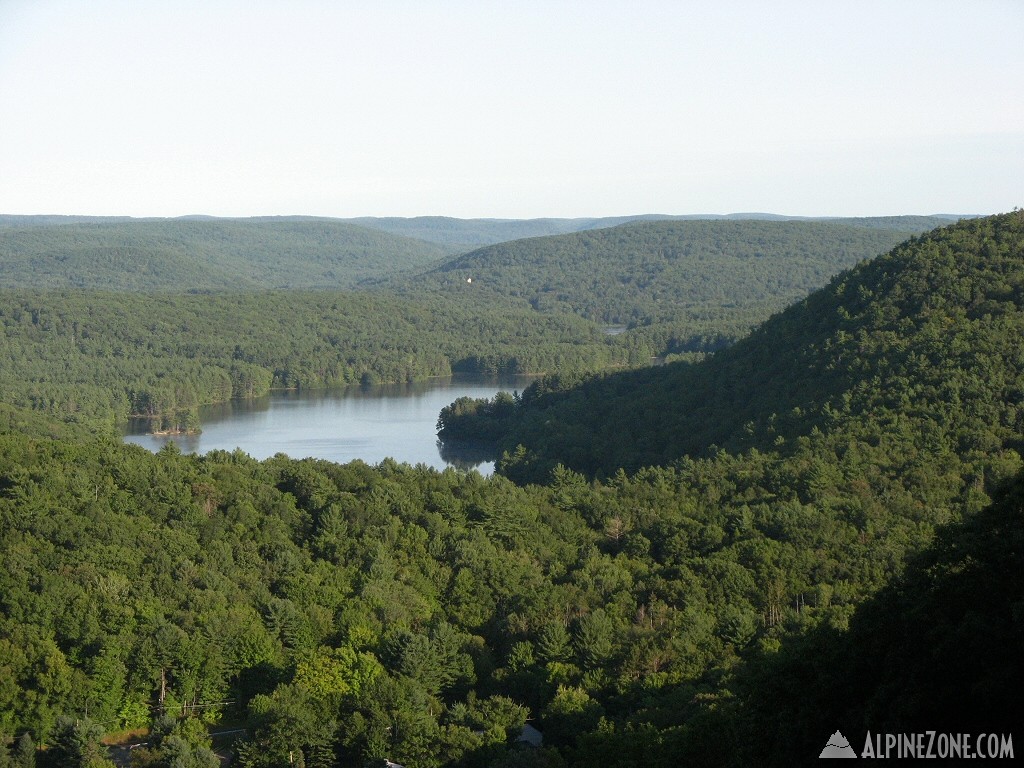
(511, 109)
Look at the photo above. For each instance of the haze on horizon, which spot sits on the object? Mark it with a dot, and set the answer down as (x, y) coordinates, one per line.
(534, 109)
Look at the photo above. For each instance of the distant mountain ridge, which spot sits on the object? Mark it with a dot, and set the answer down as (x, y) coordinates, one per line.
(458, 235)
(193, 254)
(203, 253)
(466, 234)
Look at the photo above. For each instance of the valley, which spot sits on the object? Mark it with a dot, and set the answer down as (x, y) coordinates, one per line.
(807, 519)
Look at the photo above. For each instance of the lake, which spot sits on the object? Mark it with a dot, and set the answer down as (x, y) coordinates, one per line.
(368, 423)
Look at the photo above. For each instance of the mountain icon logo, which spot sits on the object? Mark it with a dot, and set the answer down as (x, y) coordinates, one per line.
(837, 746)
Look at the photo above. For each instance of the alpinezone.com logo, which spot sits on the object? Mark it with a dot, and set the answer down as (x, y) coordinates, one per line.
(837, 746)
(926, 745)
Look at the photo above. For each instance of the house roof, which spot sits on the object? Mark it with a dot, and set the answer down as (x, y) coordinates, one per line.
(531, 736)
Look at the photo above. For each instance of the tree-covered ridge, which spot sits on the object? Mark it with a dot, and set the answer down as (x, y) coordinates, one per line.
(98, 356)
(460, 235)
(182, 255)
(466, 234)
(680, 286)
(896, 223)
(49, 220)
(932, 330)
(206, 253)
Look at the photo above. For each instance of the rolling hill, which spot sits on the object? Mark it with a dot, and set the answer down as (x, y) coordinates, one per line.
(182, 255)
(935, 328)
(462, 235)
(644, 272)
(678, 286)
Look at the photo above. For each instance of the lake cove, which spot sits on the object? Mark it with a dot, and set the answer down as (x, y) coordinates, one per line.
(368, 423)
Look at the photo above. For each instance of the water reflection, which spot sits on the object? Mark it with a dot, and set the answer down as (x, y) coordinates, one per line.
(466, 455)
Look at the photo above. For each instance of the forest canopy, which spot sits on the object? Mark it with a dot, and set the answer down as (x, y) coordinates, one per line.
(712, 563)
(106, 319)
(181, 255)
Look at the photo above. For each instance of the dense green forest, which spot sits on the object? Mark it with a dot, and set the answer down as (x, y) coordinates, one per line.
(96, 356)
(681, 286)
(467, 234)
(182, 255)
(106, 319)
(460, 235)
(939, 314)
(647, 272)
(712, 564)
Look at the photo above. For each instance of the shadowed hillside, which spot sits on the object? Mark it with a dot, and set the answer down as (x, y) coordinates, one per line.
(934, 330)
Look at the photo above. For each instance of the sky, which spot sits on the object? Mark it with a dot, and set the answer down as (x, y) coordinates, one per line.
(511, 109)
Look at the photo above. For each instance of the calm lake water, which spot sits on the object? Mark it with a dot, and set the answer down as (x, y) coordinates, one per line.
(368, 423)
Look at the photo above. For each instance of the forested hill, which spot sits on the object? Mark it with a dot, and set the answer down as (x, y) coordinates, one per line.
(460, 235)
(467, 234)
(455, 236)
(928, 337)
(200, 253)
(181, 255)
(653, 272)
(97, 357)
